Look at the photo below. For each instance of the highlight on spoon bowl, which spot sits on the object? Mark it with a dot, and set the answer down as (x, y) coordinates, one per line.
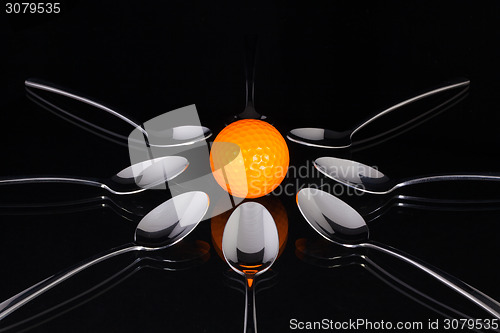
(179, 136)
(353, 174)
(319, 137)
(151, 173)
(330, 216)
(173, 220)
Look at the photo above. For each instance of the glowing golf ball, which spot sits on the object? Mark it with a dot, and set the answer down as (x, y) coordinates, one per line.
(259, 164)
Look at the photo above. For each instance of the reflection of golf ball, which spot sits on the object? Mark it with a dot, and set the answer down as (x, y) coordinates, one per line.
(260, 164)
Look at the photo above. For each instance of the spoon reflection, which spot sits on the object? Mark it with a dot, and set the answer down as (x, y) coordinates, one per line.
(183, 256)
(372, 210)
(163, 227)
(318, 253)
(341, 224)
(250, 245)
(132, 211)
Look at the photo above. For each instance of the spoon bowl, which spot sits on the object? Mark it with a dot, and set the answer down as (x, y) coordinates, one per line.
(161, 228)
(275, 208)
(339, 223)
(180, 136)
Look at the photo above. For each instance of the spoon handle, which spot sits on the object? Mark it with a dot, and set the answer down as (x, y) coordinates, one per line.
(40, 85)
(476, 296)
(15, 302)
(462, 83)
(250, 313)
(450, 177)
(250, 57)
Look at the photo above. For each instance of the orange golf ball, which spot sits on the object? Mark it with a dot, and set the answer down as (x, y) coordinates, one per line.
(249, 158)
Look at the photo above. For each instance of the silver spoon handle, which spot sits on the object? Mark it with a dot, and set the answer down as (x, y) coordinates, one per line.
(452, 177)
(36, 84)
(250, 313)
(471, 293)
(409, 101)
(15, 302)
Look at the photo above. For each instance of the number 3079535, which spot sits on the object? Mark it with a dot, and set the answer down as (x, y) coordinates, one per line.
(32, 7)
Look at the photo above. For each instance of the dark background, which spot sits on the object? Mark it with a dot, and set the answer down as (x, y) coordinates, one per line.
(319, 65)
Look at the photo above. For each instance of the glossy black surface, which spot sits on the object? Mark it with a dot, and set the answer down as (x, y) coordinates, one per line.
(323, 64)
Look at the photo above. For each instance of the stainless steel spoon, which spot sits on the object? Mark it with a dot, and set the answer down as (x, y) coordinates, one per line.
(370, 180)
(339, 223)
(250, 245)
(164, 226)
(133, 179)
(325, 138)
(169, 137)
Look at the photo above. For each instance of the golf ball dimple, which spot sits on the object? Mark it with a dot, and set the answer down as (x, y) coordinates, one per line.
(259, 165)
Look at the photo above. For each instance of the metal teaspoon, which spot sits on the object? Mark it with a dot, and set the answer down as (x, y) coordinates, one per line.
(326, 138)
(370, 180)
(250, 245)
(131, 180)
